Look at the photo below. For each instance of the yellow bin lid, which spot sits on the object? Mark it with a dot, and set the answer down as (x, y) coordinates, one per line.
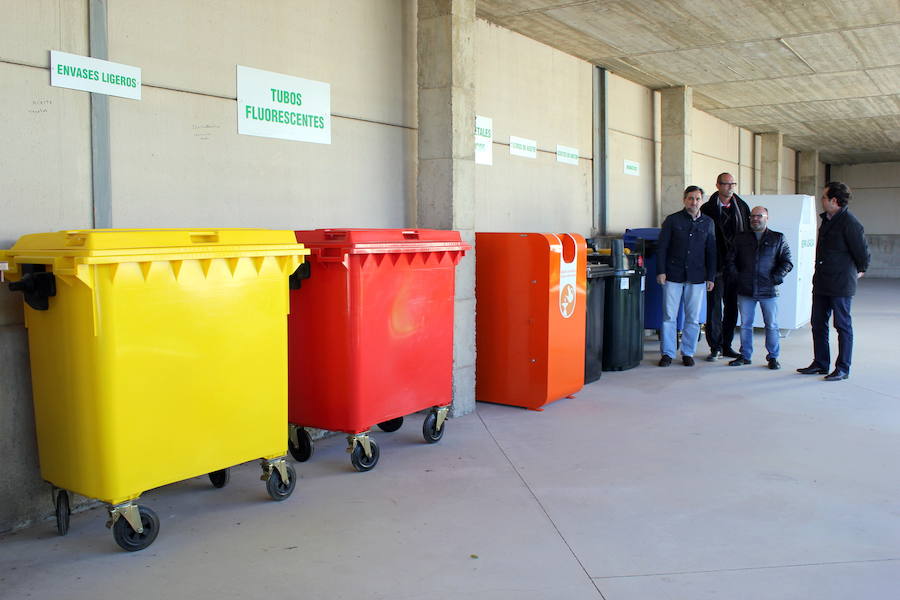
(103, 246)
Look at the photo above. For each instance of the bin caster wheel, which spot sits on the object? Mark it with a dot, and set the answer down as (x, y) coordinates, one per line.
(304, 448)
(430, 431)
(63, 511)
(129, 539)
(392, 425)
(220, 479)
(360, 461)
(278, 488)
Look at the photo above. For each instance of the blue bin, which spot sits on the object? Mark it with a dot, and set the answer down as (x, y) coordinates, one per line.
(646, 239)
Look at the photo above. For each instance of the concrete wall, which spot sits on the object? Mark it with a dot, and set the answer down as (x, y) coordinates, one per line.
(532, 91)
(633, 137)
(45, 167)
(176, 157)
(876, 202)
(720, 147)
(788, 171)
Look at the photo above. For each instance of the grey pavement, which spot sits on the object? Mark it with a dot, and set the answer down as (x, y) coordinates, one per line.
(679, 483)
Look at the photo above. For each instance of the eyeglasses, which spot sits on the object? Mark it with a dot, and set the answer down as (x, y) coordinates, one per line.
(757, 216)
(728, 183)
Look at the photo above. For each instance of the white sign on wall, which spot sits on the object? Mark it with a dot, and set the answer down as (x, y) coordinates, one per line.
(484, 140)
(567, 155)
(632, 168)
(94, 75)
(522, 147)
(282, 106)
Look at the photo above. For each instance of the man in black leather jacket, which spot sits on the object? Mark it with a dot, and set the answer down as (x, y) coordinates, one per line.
(731, 216)
(757, 266)
(842, 257)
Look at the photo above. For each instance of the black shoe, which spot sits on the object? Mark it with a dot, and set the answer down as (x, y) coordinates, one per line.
(812, 369)
(730, 353)
(774, 364)
(687, 361)
(665, 361)
(714, 355)
(740, 360)
(837, 375)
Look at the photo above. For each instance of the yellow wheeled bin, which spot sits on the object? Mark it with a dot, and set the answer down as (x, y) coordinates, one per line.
(156, 356)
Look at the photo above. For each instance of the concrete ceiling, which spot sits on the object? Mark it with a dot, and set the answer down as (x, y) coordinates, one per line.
(825, 73)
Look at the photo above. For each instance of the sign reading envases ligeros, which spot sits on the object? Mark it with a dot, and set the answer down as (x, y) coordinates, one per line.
(282, 106)
(94, 75)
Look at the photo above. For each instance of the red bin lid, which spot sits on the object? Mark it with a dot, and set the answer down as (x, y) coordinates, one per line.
(376, 241)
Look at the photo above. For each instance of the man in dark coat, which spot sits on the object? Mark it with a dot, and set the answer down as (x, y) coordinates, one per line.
(758, 265)
(685, 265)
(731, 216)
(842, 257)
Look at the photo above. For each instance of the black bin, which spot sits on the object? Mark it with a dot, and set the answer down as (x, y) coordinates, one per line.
(597, 278)
(623, 323)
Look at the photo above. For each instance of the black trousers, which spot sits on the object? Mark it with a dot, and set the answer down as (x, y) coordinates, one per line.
(721, 314)
(823, 307)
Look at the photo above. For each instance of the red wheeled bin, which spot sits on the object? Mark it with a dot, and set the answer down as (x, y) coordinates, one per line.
(370, 335)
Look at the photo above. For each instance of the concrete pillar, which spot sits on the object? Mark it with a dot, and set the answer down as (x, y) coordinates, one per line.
(770, 163)
(445, 187)
(677, 128)
(808, 173)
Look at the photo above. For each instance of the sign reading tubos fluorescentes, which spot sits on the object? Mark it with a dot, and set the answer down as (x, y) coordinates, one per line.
(94, 75)
(283, 106)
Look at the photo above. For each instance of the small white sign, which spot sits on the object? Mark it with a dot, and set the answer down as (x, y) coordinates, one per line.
(632, 168)
(567, 155)
(522, 147)
(624, 283)
(484, 140)
(88, 74)
(282, 106)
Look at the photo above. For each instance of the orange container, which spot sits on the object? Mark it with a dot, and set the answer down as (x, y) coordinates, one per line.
(530, 317)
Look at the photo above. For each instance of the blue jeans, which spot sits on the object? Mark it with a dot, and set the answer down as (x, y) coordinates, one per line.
(822, 309)
(673, 294)
(769, 308)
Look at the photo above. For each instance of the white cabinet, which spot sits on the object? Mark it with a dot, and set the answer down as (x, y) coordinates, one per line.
(796, 216)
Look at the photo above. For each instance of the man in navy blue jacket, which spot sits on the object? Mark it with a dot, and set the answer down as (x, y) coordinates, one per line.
(686, 268)
(842, 257)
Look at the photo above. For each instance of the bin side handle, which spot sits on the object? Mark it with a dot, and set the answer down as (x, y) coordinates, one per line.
(330, 254)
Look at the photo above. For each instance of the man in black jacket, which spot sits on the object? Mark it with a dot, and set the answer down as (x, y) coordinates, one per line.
(842, 257)
(760, 260)
(731, 216)
(685, 265)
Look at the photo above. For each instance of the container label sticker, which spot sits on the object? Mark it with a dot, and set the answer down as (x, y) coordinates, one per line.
(624, 283)
(568, 279)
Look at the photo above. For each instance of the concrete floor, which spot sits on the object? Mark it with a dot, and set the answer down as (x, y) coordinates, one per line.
(709, 482)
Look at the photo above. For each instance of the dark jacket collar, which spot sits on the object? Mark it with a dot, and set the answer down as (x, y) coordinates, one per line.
(840, 213)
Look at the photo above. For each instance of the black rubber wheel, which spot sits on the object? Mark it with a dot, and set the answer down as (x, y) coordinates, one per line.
(360, 461)
(430, 432)
(220, 479)
(392, 425)
(63, 511)
(304, 451)
(129, 539)
(278, 489)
